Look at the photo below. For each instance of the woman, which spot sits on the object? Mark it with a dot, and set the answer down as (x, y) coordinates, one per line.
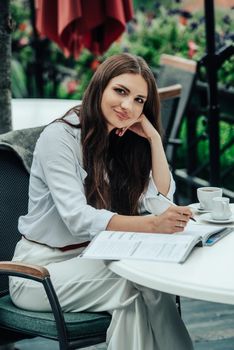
(101, 167)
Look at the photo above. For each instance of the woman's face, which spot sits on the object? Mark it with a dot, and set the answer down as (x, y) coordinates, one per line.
(123, 100)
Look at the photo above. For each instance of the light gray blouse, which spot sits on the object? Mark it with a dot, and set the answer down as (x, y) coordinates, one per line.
(58, 213)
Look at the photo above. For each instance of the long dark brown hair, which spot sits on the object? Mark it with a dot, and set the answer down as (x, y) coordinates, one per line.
(118, 168)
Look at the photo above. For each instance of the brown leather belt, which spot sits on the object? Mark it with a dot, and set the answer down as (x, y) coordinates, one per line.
(74, 246)
(63, 249)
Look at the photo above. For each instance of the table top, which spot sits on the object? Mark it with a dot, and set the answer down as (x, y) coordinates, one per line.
(32, 112)
(207, 274)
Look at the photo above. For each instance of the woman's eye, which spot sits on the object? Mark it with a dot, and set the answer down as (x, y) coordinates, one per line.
(120, 91)
(140, 100)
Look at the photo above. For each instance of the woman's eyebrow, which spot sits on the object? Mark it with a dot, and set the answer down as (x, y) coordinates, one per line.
(124, 87)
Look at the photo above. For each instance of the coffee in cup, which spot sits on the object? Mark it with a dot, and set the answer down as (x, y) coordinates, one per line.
(205, 196)
(221, 208)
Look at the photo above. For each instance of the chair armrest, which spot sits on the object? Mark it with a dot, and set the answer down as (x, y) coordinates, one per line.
(168, 92)
(24, 269)
(41, 275)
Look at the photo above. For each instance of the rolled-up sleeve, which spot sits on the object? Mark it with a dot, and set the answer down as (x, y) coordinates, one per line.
(64, 177)
(151, 203)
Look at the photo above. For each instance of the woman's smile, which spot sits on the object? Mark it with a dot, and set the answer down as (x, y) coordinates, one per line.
(121, 115)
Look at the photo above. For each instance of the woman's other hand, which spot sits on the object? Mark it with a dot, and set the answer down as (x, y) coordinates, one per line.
(174, 219)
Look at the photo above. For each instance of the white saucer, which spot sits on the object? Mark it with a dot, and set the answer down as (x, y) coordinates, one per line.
(208, 217)
(196, 206)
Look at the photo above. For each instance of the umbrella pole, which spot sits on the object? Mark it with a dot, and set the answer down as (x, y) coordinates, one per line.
(213, 106)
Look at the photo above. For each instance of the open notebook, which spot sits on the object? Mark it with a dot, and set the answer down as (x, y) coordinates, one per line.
(116, 245)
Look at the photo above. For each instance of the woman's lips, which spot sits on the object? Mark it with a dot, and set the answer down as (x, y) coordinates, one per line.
(121, 116)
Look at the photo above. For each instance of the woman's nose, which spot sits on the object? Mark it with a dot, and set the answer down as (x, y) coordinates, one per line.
(126, 104)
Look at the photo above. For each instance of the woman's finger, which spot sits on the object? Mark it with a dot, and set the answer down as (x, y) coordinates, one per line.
(120, 132)
(184, 211)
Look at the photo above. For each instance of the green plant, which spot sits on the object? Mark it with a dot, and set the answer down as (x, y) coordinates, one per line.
(158, 27)
(163, 28)
(226, 159)
(19, 89)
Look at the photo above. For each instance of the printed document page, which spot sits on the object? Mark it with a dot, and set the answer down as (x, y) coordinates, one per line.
(158, 247)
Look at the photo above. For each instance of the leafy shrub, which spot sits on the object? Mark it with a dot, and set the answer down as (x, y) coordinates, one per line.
(161, 29)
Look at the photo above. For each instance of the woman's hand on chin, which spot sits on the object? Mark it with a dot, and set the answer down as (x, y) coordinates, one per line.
(141, 127)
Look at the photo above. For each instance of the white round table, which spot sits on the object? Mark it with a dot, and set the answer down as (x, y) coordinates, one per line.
(207, 274)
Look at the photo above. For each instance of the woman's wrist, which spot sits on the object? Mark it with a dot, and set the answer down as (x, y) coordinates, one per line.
(152, 223)
(155, 138)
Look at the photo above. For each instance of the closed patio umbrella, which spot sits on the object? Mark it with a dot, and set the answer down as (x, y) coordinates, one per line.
(78, 24)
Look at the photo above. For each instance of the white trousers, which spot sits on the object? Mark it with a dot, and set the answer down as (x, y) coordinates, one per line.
(142, 318)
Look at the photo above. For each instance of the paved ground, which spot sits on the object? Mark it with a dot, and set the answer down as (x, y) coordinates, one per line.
(211, 326)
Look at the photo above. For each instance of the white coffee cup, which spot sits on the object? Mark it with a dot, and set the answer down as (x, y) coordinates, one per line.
(206, 194)
(221, 208)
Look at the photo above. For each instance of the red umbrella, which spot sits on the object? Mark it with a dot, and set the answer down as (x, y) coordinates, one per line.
(75, 24)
